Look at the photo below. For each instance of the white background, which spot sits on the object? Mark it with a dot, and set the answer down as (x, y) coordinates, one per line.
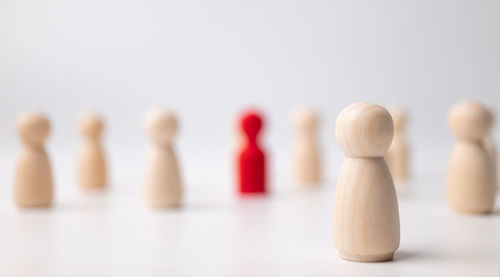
(208, 60)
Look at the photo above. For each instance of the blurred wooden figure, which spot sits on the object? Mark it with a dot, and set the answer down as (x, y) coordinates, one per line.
(366, 215)
(307, 167)
(397, 155)
(33, 185)
(471, 178)
(91, 161)
(163, 180)
(490, 146)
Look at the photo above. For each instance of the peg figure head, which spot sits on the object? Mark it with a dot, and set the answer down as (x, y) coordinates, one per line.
(398, 118)
(251, 124)
(33, 128)
(306, 121)
(364, 130)
(91, 125)
(161, 126)
(469, 120)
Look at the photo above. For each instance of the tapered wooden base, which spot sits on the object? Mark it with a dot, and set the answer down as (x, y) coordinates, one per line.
(367, 258)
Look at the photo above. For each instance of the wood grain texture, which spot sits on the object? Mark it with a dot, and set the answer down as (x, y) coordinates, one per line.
(366, 214)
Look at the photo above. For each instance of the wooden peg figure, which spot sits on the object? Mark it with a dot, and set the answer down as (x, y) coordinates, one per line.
(471, 183)
(92, 172)
(366, 216)
(163, 180)
(397, 155)
(33, 185)
(251, 158)
(490, 146)
(307, 166)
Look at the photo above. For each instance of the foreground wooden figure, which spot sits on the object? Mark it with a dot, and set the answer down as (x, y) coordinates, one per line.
(33, 185)
(366, 215)
(91, 162)
(307, 167)
(163, 180)
(471, 181)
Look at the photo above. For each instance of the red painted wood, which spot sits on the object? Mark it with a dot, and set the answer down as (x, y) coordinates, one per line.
(251, 159)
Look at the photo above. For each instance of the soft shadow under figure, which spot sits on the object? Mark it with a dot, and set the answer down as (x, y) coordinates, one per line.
(495, 212)
(421, 255)
(81, 206)
(407, 255)
(203, 207)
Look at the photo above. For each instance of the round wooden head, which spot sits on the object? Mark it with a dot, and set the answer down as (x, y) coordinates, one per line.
(305, 120)
(251, 124)
(91, 125)
(161, 126)
(398, 118)
(364, 130)
(33, 128)
(469, 120)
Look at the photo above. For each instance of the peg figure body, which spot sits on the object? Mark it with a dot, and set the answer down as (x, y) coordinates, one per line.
(33, 185)
(251, 158)
(306, 157)
(397, 155)
(163, 179)
(471, 182)
(91, 166)
(491, 147)
(366, 215)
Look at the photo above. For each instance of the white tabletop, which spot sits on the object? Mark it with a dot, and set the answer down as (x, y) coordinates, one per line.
(288, 233)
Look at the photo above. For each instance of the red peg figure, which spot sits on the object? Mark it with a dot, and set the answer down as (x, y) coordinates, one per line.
(251, 159)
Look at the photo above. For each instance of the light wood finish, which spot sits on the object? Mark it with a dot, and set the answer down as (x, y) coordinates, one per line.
(91, 160)
(163, 180)
(366, 215)
(471, 183)
(491, 147)
(33, 185)
(397, 155)
(306, 157)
